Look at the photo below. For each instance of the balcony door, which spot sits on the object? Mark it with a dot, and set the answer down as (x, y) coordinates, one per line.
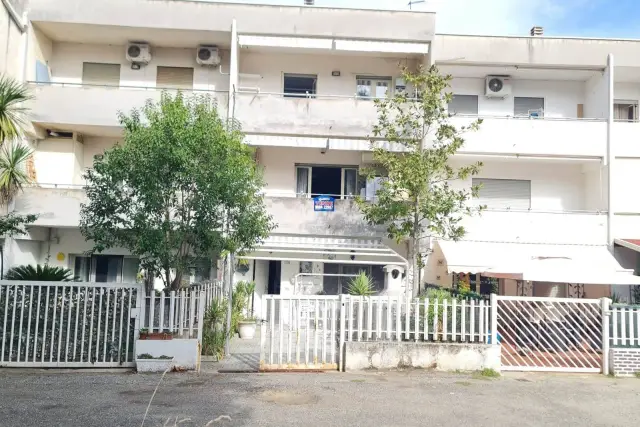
(335, 181)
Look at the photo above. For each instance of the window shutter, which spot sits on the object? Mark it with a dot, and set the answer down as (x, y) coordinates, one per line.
(100, 74)
(523, 106)
(464, 104)
(174, 78)
(503, 193)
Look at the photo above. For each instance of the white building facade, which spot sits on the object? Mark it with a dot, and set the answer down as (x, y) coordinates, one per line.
(301, 81)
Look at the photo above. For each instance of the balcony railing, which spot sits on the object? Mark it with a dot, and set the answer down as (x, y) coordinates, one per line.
(59, 206)
(349, 116)
(97, 105)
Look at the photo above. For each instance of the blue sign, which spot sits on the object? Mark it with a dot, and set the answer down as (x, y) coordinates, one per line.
(324, 204)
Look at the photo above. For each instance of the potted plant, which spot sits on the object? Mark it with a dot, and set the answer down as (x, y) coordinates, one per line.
(146, 335)
(147, 363)
(244, 304)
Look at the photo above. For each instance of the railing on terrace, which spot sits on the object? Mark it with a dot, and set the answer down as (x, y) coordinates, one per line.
(122, 86)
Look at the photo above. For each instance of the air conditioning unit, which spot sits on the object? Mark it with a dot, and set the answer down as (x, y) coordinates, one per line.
(139, 53)
(208, 55)
(497, 87)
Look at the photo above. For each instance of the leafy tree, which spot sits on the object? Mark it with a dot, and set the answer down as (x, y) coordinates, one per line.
(13, 154)
(182, 187)
(13, 120)
(416, 200)
(42, 273)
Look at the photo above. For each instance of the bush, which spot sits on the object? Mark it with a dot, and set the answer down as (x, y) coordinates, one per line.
(40, 273)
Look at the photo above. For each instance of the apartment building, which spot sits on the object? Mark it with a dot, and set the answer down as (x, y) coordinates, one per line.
(301, 80)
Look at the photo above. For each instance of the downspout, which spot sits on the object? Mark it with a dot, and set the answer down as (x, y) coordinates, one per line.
(14, 16)
(610, 156)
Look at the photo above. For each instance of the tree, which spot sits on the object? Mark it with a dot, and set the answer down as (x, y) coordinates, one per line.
(13, 154)
(415, 200)
(181, 187)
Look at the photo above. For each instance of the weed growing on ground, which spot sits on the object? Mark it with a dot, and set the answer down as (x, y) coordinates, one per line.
(486, 373)
(637, 374)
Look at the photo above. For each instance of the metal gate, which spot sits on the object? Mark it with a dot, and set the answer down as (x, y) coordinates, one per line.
(68, 324)
(550, 334)
(300, 332)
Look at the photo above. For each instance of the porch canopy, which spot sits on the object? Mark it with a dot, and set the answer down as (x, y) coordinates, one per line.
(577, 264)
(326, 249)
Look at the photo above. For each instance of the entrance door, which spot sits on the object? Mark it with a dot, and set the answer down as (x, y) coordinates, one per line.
(275, 268)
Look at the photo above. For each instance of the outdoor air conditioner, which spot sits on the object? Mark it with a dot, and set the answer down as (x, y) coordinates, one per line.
(208, 55)
(139, 53)
(497, 87)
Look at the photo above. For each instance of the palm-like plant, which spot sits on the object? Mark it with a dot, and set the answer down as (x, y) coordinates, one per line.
(41, 273)
(13, 172)
(13, 120)
(361, 285)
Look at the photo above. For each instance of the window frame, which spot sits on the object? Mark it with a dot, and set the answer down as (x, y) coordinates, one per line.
(476, 114)
(624, 102)
(529, 115)
(476, 200)
(286, 94)
(374, 80)
(343, 168)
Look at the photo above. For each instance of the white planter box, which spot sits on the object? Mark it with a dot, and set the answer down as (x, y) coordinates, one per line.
(185, 352)
(153, 365)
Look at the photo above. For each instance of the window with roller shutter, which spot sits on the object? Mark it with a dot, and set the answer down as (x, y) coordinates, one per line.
(503, 193)
(528, 107)
(100, 74)
(174, 78)
(465, 105)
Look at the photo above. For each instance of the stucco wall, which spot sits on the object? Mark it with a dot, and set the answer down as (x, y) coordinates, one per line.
(186, 352)
(11, 45)
(439, 356)
(67, 59)
(561, 97)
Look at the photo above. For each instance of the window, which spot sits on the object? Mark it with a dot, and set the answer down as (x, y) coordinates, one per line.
(373, 87)
(300, 85)
(625, 111)
(464, 105)
(528, 107)
(100, 74)
(106, 268)
(335, 181)
(503, 193)
(174, 78)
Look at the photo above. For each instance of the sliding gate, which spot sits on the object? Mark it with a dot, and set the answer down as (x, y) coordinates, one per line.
(550, 334)
(68, 324)
(300, 332)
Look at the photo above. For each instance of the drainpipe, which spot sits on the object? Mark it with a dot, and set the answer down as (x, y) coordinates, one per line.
(610, 156)
(233, 70)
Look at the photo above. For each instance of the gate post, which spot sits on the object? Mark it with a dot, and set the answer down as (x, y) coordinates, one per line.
(494, 319)
(263, 330)
(342, 309)
(605, 306)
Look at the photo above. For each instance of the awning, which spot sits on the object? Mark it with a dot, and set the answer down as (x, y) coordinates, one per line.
(536, 262)
(326, 249)
(633, 244)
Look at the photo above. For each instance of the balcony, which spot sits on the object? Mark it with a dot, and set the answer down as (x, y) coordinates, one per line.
(323, 115)
(77, 106)
(56, 206)
(297, 216)
(538, 137)
(581, 228)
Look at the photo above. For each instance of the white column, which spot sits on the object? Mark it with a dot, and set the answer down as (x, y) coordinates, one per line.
(610, 155)
(233, 69)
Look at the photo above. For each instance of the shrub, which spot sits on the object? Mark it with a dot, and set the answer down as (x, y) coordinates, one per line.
(362, 285)
(40, 273)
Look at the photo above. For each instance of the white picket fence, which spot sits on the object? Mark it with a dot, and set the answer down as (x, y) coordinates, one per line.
(67, 324)
(401, 319)
(625, 326)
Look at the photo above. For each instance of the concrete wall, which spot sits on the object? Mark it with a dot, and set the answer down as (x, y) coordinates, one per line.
(625, 362)
(439, 356)
(186, 352)
(252, 19)
(11, 45)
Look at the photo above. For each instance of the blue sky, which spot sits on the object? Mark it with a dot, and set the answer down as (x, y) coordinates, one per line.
(586, 18)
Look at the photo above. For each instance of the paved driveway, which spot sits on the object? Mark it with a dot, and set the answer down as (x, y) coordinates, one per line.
(411, 398)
